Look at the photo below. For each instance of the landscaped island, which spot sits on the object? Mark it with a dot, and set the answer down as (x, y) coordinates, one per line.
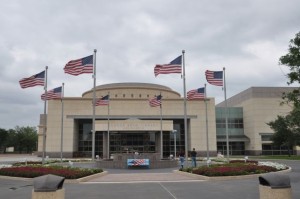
(236, 168)
(35, 169)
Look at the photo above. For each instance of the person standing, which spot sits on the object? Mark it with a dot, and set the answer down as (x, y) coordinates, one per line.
(181, 159)
(194, 155)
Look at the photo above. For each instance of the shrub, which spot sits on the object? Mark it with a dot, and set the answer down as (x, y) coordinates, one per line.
(243, 161)
(35, 171)
(232, 169)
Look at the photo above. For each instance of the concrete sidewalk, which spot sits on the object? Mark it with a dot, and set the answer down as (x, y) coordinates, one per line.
(142, 177)
(12, 158)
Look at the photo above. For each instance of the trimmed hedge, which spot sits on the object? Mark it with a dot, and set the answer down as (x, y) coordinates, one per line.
(231, 169)
(35, 171)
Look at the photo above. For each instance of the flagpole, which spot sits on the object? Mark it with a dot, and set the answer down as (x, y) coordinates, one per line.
(184, 102)
(62, 123)
(45, 117)
(226, 116)
(94, 97)
(161, 133)
(206, 122)
(108, 140)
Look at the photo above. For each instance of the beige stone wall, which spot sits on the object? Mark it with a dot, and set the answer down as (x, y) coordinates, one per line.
(257, 113)
(172, 105)
(134, 125)
(132, 93)
(198, 125)
(71, 107)
(132, 90)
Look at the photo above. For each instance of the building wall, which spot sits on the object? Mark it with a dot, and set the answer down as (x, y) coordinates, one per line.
(134, 104)
(198, 126)
(259, 112)
(260, 105)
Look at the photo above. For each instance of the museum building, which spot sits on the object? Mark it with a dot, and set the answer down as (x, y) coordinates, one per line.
(129, 124)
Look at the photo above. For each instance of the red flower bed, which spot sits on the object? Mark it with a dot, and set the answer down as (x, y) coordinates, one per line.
(232, 170)
(35, 171)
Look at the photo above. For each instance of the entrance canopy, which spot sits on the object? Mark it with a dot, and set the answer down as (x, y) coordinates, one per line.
(133, 125)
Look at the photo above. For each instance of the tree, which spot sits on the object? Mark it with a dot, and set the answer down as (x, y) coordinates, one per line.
(292, 60)
(26, 138)
(3, 139)
(287, 128)
(11, 138)
(23, 139)
(284, 134)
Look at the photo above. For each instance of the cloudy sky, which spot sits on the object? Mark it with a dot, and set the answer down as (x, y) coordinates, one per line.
(131, 36)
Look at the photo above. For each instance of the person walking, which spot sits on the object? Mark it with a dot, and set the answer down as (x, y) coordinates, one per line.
(194, 155)
(181, 159)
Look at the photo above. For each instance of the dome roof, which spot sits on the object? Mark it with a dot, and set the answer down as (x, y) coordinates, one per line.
(132, 86)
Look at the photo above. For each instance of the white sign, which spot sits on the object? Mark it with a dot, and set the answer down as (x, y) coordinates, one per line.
(134, 125)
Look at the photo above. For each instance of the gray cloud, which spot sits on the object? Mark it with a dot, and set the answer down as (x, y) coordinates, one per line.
(246, 37)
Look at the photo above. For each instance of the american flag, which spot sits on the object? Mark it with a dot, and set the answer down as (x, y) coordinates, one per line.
(214, 77)
(173, 67)
(35, 80)
(104, 101)
(138, 162)
(196, 94)
(156, 101)
(52, 94)
(80, 66)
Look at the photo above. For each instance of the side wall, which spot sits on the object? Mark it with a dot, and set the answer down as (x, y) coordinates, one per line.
(257, 113)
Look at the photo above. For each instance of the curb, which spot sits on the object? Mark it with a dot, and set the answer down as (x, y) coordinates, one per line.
(87, 178)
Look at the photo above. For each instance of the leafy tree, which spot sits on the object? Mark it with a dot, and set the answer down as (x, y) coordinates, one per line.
(285, 134)
(26, 138)
(287, 128)
(3, 139)
(11, 139)
(292, 60)
(23, 139)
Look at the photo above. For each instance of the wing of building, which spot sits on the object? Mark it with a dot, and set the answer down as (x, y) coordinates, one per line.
(248, 113)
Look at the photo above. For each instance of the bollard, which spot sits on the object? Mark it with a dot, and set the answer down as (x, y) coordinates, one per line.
(48, 187)
(275, 186)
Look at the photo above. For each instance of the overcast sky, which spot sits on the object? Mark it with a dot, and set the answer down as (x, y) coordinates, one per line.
(131, 36)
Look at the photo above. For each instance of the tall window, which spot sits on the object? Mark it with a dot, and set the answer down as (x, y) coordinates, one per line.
(85, 139)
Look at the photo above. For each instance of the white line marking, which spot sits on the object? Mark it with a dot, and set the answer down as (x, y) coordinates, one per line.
(167, 190)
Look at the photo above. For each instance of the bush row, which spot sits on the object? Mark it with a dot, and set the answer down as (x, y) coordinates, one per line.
(35, 171)
(231, 169)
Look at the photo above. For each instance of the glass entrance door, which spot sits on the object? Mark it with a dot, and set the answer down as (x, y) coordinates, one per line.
(223, 149)
(128, 142)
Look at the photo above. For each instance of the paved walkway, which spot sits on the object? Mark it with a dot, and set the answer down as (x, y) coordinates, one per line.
(141, 177)
(135, 175)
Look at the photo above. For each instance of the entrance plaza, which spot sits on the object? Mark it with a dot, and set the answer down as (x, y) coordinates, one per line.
(148, 184)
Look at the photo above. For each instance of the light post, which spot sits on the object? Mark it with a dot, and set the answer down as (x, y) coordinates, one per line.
(174, 132)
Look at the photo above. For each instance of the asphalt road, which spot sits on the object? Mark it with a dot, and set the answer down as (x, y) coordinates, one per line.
(178, 188)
